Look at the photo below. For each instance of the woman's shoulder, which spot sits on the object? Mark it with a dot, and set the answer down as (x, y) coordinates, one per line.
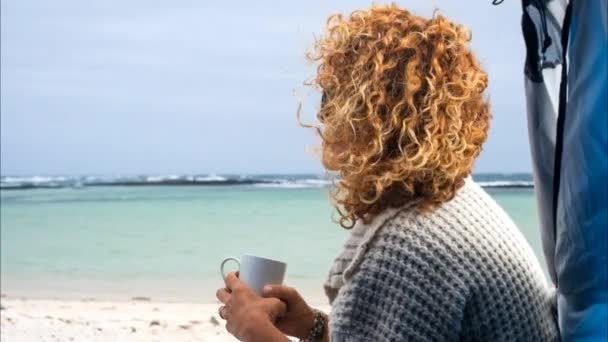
(471, 212)
(472, 238)
(469, 237)
(469, 233)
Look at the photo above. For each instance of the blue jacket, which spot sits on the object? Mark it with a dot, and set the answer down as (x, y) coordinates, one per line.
(568, 128)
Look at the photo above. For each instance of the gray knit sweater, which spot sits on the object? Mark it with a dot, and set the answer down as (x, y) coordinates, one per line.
(462, 272)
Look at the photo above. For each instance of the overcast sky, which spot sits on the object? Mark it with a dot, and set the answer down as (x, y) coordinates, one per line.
(126, 87)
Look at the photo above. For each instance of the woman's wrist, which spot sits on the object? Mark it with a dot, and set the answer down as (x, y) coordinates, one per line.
(316, 327)
(306, 323)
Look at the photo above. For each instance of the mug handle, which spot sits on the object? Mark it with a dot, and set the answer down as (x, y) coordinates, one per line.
(224, 263)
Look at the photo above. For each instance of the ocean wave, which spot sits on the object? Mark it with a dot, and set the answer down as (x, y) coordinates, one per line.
(274, 181)
(32, 182)
(282, 185)
(316, 182)
(34, 179)
(294, 184)
(41, 182)
(212, 178)
(154, 179)
(506, 184)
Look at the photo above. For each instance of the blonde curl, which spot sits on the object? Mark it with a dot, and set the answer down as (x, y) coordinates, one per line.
(403, 115)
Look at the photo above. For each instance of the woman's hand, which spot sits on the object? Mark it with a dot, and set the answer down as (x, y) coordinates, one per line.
(299, 318)
(248, 316)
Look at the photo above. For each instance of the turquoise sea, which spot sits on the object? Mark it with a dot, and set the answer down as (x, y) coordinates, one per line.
(165, 241)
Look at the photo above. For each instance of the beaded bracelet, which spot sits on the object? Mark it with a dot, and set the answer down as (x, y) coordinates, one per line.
(318, 328)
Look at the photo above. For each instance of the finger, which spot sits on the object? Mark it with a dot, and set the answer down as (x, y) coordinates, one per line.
(275, 307)
(232, 281)
(220, 311)
(225, 313)
(229, 327)
(288, 294)
(223, 295)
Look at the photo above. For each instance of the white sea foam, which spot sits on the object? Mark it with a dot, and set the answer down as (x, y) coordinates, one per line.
(10, 182)
(505, 184)
(34, 179)
(282, 185)
(210, 178)
(285, 181)
(315, 182)
(294, 184)
(152, 179)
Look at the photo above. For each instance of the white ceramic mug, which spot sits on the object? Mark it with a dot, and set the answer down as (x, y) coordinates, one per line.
(257, 272)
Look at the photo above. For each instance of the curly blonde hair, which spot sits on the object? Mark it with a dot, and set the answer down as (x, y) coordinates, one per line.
(403, 115)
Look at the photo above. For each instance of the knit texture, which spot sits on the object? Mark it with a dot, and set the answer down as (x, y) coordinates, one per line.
(462, 272)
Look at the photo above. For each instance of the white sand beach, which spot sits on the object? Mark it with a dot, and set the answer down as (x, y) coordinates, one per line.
(25, 320)
(89, 320)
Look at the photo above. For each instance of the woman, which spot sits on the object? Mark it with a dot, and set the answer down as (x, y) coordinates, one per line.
(431, 256)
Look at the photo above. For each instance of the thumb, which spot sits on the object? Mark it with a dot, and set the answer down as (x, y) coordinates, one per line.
(284, 293)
